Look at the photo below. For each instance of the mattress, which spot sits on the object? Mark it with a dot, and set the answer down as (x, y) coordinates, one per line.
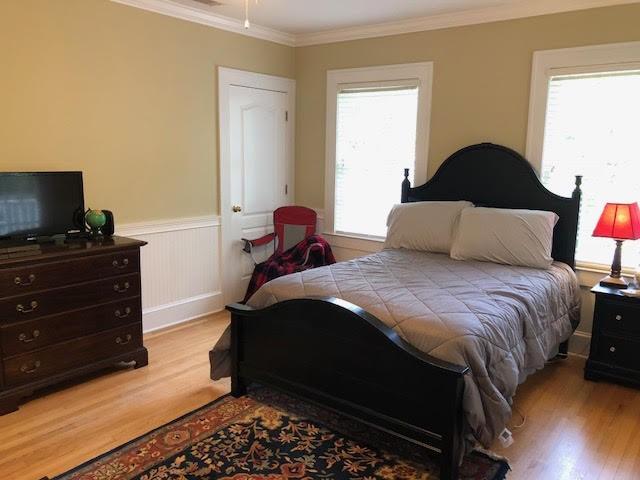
(503, 322)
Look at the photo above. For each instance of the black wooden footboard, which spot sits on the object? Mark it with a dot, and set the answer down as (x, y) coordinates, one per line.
(336, 354)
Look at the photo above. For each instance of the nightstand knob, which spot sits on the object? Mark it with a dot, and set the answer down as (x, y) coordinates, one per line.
(612, 349)
(618, 317)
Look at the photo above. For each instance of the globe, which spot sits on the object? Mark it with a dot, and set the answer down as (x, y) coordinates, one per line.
(95, 220)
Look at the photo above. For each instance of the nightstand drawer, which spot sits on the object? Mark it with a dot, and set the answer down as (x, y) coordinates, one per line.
(619, 352)
(619, 317)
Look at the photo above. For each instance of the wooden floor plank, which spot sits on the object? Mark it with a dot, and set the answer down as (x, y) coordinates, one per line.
(574, 429)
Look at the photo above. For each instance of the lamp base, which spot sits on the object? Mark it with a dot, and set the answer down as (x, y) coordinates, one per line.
(614, 282)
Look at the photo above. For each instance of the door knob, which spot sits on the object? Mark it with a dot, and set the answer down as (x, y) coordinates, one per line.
(236, 208)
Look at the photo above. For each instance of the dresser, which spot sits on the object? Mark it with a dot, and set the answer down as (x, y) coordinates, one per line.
(67, 309)
(615, 338)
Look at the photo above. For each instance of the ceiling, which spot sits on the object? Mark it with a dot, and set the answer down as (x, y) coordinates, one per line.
(311, 16)
(310, 22)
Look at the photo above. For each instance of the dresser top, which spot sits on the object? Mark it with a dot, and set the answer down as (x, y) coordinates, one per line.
(16, 255)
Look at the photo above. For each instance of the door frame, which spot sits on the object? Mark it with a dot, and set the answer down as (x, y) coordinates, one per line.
(228, 77)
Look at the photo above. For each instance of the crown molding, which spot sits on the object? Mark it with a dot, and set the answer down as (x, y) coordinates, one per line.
(432, 22)
(195, 15)
(458, 19)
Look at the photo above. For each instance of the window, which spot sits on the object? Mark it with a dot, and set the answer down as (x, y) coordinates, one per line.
(375, 139)
(590, 128)
(375, 129)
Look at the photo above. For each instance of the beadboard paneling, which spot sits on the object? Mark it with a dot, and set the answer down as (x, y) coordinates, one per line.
(180, 269)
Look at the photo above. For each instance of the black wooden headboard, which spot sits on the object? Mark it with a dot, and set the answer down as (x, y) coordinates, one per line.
(495, 176)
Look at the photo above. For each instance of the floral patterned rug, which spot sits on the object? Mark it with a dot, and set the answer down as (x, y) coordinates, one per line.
(269, 436)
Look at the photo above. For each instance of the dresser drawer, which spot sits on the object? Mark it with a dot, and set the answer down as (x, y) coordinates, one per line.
(620, 352)
(618, 317)
(50, 302)
(32, 335)
(75, 353)
(17, 281)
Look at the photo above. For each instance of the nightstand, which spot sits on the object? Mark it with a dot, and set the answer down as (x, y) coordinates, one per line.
(615, 338)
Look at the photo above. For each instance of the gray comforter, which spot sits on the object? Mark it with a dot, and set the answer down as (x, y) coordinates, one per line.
(503, 322)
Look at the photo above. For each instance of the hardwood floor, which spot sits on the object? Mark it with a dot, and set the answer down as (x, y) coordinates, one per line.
(53, 433)
(574, 429)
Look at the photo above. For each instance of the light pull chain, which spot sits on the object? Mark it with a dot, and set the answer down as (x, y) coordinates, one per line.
(247, 23)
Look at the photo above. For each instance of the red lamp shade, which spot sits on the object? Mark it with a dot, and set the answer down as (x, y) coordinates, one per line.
(620, 221)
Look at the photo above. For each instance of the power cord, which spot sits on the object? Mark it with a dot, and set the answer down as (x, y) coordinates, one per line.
(522, 416)
(555, 359)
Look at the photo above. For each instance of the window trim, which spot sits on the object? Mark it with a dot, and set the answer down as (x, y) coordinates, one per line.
(337, 80)
(564, 61)
(547, 63)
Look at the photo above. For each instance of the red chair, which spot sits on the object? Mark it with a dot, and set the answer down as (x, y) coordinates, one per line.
(295, 245)
(291, 225)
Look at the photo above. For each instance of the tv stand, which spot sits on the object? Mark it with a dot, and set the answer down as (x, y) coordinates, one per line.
(72, 308)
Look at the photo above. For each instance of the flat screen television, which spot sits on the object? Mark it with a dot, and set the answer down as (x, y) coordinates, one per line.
(40, 204)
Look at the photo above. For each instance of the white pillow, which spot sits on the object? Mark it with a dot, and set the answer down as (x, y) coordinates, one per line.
(511, 237)
(425, 226)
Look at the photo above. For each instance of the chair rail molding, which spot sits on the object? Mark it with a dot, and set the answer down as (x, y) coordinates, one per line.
(180, 269)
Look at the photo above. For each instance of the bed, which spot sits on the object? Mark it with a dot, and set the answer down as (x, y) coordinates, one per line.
(420, 345)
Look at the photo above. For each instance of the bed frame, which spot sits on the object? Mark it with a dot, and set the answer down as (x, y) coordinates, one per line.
(334, 353)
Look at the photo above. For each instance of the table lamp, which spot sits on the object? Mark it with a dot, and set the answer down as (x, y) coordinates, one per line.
(620, 221)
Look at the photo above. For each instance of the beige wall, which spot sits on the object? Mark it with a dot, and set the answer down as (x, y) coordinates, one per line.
(481, 80)
(125, 95)
(129, 96)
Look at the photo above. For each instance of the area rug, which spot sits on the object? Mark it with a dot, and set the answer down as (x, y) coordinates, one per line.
(266, 435)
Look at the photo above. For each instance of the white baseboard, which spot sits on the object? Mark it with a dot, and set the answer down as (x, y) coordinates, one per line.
(580, 344)
(164, 316)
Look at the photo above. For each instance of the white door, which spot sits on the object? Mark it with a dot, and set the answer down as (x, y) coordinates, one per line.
(259, 177)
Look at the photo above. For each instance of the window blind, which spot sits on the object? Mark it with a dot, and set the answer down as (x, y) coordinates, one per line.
(375, 140)
(591, 129)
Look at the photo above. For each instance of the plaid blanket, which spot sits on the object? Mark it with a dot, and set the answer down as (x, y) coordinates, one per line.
(312, 252)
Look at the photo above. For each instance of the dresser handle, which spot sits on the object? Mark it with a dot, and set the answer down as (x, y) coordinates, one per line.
(22, 283)
(21, 308)
(116, 264)
(119, 314)
(120, 341)
(24, 339)
(618, 317)
(116, 287)
(612, 349)
(27, 369)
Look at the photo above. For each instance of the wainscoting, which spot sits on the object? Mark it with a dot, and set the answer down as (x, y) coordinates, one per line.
(180, 269)
(347, 248)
